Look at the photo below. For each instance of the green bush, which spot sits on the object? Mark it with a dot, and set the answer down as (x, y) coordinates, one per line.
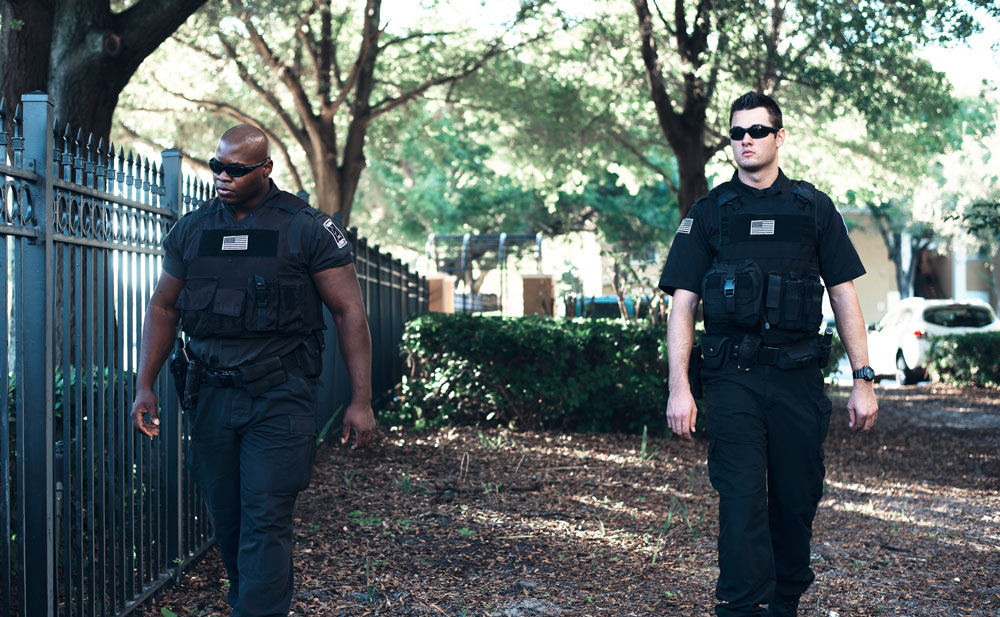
(589, 375)
(966, 359)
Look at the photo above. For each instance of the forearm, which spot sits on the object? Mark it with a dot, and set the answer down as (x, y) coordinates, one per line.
(850, 323)
(355, 343)
(159, 328)
(680, 339)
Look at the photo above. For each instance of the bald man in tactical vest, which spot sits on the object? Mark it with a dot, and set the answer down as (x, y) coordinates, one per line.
(246, 276)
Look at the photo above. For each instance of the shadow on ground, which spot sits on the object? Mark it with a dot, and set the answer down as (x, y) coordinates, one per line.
(459, 522)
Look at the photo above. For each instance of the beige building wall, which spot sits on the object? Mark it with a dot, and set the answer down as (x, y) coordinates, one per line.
(877, 289)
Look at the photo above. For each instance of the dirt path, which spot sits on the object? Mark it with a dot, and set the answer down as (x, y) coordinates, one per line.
(460, 523)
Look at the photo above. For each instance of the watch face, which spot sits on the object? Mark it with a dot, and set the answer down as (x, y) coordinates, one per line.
(866, 373)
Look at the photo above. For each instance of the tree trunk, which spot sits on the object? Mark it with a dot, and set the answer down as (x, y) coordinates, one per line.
(25, 39)
(691, 161)
(81, 53)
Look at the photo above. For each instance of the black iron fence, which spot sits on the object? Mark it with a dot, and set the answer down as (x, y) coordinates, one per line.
(93, 518)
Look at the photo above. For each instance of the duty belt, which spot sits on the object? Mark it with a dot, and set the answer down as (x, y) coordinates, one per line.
(765, 355)
(258, 376)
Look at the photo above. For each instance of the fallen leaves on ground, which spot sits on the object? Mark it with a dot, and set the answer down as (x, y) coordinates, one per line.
(461, 522)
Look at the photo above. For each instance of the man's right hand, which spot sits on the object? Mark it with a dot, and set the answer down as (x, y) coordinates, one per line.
(682, 413)
(146, 403)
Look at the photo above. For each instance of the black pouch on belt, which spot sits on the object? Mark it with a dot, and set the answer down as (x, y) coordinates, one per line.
(259, 377)
(694, 372)
(715, 350)
(747, 352)
(799, 355)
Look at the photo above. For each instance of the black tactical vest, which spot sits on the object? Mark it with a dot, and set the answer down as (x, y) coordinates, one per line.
(765, 277)
(249, 281)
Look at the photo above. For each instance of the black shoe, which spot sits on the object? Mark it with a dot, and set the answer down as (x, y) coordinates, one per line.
(783, 606)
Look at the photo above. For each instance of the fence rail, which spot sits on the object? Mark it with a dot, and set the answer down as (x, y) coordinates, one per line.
(95, 519)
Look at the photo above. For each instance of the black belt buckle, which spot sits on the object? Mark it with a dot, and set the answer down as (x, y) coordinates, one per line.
(746, 353)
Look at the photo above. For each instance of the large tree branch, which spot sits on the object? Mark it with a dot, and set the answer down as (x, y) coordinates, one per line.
(266, 95)
(325, 54)
(231, 111)
(146, 24)
(654, 76)
(645, 160)
(134, 135)
(289, 78)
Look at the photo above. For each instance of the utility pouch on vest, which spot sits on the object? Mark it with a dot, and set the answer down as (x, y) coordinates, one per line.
(715, 350)
(694, 372)
(793, 304)
(747, 353)
(732, 292)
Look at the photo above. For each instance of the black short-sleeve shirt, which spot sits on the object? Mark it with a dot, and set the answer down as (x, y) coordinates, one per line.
(697, 239)
(320, 243)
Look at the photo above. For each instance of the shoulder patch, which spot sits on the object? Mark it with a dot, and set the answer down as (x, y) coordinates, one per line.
(685, 226)
(338, 235)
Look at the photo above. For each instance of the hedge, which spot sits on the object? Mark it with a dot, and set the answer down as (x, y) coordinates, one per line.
(966, 359)
(534, 372)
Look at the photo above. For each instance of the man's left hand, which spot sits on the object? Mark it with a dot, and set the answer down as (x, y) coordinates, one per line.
(862, 406)
(361, 419)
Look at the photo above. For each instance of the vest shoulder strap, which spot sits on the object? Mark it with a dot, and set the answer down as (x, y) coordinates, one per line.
(804, 191)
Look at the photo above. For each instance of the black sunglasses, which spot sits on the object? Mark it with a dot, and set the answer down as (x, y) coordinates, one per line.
(757, 131)
(235, 170)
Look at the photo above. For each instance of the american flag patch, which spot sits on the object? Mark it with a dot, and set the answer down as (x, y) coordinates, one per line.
(761, 228)
(235, 243)
(685, 226)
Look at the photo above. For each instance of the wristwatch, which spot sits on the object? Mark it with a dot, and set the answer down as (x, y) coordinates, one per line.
(865, 372)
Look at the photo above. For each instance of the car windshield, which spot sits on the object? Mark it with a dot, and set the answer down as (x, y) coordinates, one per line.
(958, 317)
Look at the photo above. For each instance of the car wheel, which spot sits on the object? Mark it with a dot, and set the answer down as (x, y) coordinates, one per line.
(905, 376)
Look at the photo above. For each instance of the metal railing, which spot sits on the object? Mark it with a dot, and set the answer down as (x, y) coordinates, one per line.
(95, 519)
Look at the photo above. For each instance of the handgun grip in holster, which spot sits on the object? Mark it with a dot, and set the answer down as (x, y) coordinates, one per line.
(825, 348)
(694, 372)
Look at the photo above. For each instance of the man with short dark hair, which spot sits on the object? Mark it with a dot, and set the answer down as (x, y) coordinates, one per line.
(757, 250)
(246, 276)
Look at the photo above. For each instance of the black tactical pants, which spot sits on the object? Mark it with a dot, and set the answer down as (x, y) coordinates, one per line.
(251, 457)
(766, 429)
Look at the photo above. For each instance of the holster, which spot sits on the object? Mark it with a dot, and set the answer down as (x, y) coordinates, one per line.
(825, 347)
(187, 375)
(694, 372)
(747, 354)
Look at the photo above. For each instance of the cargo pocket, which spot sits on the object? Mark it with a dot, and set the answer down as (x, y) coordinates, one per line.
(301, 459)
(733, 293)
(824, 409)
(193, 301)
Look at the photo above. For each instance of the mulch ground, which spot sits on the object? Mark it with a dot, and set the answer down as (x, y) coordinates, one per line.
(462, 522)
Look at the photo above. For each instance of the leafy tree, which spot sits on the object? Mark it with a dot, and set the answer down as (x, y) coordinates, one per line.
(82, 52)
(327, 72)
(823, 58)
(630, 223)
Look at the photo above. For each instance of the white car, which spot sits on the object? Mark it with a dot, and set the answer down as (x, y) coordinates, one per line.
(898, 344)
